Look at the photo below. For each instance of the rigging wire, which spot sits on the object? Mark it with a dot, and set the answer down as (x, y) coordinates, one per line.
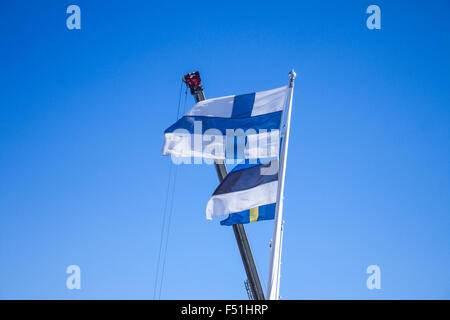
(168, 199)
(162, 233)
(170, 217)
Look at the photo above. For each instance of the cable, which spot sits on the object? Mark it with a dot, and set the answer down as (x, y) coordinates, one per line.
(162, 233)
(170, 214)
(169, 199)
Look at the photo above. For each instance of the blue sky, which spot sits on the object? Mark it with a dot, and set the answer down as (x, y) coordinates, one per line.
(82, 115)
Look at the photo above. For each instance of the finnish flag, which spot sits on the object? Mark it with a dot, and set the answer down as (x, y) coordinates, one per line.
(246, 189)
(204, 131)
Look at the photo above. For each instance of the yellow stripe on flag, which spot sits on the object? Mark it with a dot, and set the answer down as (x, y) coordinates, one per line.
(254, 214)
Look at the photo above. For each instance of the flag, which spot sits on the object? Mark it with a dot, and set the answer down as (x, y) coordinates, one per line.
(203, 130)
(265, 212)
(245, 188)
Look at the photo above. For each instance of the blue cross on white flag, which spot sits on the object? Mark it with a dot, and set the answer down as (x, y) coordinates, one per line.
(204, 131)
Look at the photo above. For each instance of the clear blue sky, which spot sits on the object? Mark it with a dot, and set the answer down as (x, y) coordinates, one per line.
(82, 115)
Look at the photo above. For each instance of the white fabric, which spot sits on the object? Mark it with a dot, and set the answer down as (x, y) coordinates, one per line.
(189, 145)
(217, 107)
(262, 145)
(233, 202)
(265, 102)
(269, 101)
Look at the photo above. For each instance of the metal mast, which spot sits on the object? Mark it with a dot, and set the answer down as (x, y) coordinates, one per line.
(193, 81)
(273, 286)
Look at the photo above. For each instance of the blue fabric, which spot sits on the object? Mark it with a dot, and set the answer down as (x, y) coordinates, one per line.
(246, 164)
(243, 105)
(269, 121)
(246, 178)
(266, 212)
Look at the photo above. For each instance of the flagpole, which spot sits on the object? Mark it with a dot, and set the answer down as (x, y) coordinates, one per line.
(273, 286)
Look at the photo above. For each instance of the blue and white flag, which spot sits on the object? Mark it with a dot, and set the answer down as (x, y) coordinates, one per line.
(204, 131)
(246, 187)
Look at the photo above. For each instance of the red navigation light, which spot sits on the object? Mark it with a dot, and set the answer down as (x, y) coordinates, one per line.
(193, 80)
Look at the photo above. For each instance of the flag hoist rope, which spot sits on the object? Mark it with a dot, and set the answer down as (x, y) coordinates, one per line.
(273, 286)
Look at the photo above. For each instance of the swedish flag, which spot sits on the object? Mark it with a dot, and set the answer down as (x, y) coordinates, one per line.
(266, 212)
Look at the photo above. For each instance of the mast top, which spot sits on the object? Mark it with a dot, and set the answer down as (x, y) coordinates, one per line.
(194, 82)
(292, 76)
